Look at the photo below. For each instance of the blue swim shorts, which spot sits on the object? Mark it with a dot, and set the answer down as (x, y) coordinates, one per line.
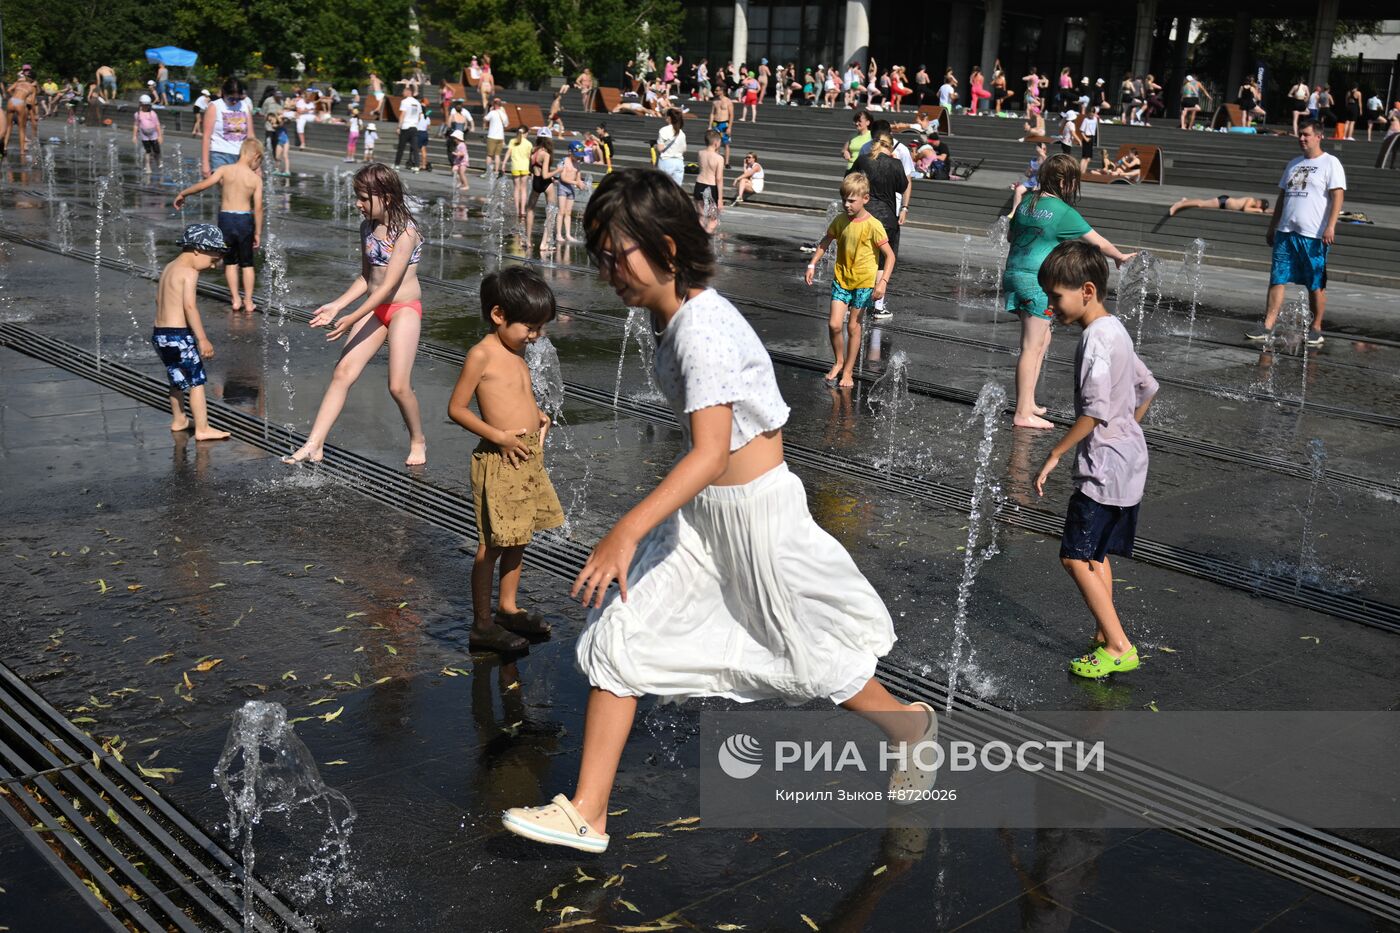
(177, 350)
(722, 128)
(1094, 530)
(857, 299)
(1299, 260)
(1023, 293)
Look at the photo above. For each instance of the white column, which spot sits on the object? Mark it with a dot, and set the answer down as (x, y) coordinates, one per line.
(857, 45)
(740, 51)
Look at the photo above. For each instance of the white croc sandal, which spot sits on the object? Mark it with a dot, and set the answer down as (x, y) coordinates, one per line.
(558, 823)
(909, 784)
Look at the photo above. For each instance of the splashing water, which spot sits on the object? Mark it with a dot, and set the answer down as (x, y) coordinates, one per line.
(1191, 261)
(265, 769)
(709, 211)
(150, 248)
(1140, 283)
(981, 266)
(63, 227)
(1308, 568)
(889, 398)
(548, 234)
(638, 330)
(48, 173)
(101, 204)
(1294, 322)
(546, 376)
(986, 500)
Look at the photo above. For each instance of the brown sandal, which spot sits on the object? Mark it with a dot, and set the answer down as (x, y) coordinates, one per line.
(495, 638)
(521, 622)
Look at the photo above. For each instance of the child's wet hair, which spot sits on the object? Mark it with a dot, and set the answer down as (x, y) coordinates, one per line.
(253, 145)
(645, 208)
(522, 294)
(1073, 263)
(855, 183)
(379, 180)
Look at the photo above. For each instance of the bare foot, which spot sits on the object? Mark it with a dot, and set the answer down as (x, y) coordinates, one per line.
(305, 455)
(250, 307)
(182, 425)
(1171, 211)
(209, 434)
(1040, 409)
(236, 306)
(417, 453)
(1032, 421)
(832, 373)
(847, 382)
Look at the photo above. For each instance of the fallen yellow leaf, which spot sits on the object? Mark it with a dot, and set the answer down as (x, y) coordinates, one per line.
(332, 717)
(209, 665)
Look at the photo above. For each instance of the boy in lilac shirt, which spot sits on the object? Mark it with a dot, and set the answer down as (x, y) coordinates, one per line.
(1112, 391)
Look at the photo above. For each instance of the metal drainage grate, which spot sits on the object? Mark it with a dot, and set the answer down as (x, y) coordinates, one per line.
(135, 859)
(1320, 860)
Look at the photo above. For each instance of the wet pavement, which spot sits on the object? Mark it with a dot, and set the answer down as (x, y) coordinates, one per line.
(135, 559)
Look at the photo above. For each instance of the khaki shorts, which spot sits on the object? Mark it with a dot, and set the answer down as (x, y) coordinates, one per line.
(512, 503)
(494, 147)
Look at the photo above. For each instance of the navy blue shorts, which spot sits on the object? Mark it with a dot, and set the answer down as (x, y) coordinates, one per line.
(1094, 530)
(178, 351)
(237, 228)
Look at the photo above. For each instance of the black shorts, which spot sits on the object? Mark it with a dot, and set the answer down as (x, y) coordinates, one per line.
(539, 184)
(152, 146)
(1188, 102)
(1093, 530)
(698, 192)
(237, 229)
(1222, 200)
(1086, 151)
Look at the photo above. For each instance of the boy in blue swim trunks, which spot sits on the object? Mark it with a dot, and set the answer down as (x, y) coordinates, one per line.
(858, 280)
(179, 337)
(1303, 227)
(1112, 391)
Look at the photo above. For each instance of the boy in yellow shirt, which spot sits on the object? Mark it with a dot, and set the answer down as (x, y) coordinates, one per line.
(858, 280)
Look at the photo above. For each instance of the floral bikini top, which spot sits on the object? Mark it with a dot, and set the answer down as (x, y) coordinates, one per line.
(378, 251)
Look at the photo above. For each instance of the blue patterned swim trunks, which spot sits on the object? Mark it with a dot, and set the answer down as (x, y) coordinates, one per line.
(178, 351)
(857, 299)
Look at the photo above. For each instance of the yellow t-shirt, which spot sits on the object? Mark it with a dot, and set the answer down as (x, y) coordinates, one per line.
(520, 150)
(857, 250)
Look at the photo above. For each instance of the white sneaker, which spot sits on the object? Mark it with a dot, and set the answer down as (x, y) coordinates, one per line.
(881, 314)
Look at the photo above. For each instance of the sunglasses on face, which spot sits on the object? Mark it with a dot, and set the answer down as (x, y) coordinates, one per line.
(606, 260)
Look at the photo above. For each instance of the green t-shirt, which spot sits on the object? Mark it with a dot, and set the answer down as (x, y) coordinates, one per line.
(855, 146)
(1041, 224)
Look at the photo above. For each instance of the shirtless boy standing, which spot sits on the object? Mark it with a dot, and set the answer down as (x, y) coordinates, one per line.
(510, 488)
(240, 216)
(179, 337)
(711, 181)
(721, 114)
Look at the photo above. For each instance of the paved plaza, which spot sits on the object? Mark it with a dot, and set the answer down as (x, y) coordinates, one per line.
(151, 587)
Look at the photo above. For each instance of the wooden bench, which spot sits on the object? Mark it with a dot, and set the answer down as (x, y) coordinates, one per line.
(1227, 115)
(1150, 172)
(527, 115)
(467, 78)
(606, 99)
(459, 91)
(945, 119)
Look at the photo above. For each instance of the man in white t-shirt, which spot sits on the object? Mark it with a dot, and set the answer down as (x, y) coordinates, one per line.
(496, 121)
(409, 112)
(1303, 228)
(1088, 136)
(946, 95)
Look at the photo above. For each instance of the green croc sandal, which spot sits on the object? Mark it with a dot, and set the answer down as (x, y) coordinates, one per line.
(1099, 663)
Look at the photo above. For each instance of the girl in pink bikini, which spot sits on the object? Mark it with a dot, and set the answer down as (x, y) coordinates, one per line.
(391, 309)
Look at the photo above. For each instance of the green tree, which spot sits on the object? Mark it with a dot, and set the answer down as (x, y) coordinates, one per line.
(529, 40)
(1284, 46)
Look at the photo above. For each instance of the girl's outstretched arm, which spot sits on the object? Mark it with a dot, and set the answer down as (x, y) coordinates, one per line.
(706, 462)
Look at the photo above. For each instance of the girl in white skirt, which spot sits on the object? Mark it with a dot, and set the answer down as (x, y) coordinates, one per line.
(725, 584)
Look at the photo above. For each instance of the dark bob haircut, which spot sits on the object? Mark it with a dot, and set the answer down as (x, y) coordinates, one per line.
(521, 294)
(645, 207)
(1073, 263)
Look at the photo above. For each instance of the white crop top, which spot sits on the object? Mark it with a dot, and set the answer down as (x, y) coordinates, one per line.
(709, 355)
